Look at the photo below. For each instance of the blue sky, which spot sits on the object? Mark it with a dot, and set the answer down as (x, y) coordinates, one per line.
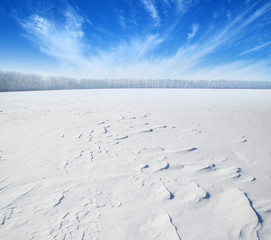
(172, 39)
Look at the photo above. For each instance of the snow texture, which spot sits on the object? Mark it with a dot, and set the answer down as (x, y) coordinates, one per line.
(135, 164)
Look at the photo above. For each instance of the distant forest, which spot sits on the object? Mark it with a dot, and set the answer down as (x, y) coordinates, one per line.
(14, 81)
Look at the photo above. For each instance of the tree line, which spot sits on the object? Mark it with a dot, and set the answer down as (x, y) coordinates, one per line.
(15, 81)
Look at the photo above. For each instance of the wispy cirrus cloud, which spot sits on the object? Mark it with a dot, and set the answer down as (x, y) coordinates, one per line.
(184, 5)
(192, 34)
(255, 15)
(151, 9)
(129, 53)
(136, 58)
(254, 49)
(62, 41)
(238, 70)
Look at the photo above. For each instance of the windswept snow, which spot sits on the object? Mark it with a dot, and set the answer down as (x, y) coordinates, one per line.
(135, 164)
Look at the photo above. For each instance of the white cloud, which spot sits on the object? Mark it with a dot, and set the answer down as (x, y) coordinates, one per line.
(237, 25)
(129, 53)
(215, 15)
(192, 34)
(120, 18)
(256, 48)
(182, 63)
(239, 70)
(136, 58)
(229, 15)
(256, 14)
(121, 21)
(184, 5)
(150, 7)
(61, 41)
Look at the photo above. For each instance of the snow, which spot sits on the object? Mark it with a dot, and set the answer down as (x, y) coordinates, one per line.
(135, 164)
